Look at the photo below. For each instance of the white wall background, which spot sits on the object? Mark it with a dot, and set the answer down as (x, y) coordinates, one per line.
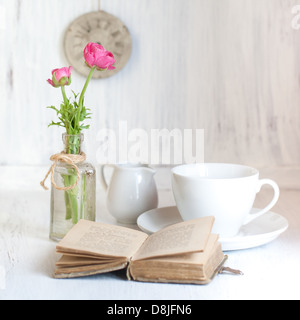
(230, 67)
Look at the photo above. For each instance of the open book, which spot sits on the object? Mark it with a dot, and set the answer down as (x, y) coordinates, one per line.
(182, 253)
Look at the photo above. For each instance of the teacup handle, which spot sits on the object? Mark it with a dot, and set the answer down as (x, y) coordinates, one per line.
(275, 187)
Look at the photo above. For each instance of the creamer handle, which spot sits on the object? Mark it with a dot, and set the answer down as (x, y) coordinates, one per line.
(102, 176)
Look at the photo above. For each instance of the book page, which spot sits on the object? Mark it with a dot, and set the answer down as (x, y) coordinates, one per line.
(66, 261)
(196, 258)
(101, 239)
(185, 237)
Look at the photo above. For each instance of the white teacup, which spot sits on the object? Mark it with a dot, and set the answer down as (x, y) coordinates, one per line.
(225, 191)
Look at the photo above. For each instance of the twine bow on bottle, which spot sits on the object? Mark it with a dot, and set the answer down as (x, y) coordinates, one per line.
(71, 159)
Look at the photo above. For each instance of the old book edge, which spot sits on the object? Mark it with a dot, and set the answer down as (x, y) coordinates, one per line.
(217, 271)
(90, 273)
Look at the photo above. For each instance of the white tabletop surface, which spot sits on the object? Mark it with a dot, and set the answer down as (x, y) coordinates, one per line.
(27, 256)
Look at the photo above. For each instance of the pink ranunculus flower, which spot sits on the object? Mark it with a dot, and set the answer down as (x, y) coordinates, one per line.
(96, 55)
(61, 77)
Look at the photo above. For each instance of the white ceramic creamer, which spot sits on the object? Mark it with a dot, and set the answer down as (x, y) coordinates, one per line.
(130, 192)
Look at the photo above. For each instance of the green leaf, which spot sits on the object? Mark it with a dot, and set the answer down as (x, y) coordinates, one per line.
(84, 127)
(71, 116)
(55, 124)
(55, 109)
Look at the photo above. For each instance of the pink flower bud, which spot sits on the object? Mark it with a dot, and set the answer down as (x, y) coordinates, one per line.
(61, 77)
(96, 55)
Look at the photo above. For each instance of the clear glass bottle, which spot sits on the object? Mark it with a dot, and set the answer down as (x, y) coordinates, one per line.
(68, 207)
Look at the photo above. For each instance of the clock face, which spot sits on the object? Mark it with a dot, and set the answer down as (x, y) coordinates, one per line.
(99, 27)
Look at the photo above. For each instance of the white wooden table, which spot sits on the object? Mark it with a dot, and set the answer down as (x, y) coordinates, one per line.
(27, 256)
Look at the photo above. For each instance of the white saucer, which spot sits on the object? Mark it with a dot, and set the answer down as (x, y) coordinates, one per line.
(260, 231)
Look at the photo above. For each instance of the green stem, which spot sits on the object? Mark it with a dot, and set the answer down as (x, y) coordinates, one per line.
(67, 198)
(82, 202)
(80, 104)
(66, 101)
(72, 145)
(71, 200)
(73, 193)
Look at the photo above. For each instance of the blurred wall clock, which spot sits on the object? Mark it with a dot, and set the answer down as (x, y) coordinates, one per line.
(103, 28)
